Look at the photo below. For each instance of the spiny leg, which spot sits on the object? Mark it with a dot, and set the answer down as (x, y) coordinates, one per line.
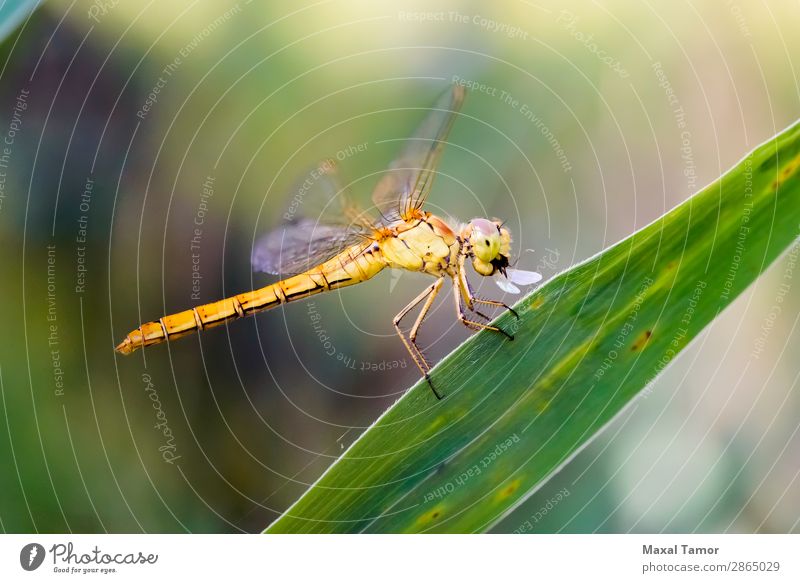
(434, 291)
(410, 343)
(412, 336)
(481, 314)
(470, 297)
(471, 323)
(478, 300)
(467, 298)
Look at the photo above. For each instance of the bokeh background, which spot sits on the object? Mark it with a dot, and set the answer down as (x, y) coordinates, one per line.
(130, 121)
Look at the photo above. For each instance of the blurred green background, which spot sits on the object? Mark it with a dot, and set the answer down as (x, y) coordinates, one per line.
(592, 120)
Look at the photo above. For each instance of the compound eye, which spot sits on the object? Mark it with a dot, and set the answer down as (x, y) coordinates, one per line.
(484, 228)
(485, 239)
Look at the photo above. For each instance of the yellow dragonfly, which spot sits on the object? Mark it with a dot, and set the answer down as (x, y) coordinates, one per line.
(351, 245)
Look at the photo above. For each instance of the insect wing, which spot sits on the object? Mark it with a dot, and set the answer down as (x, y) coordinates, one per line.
(522, 277)
(321, 220)
(319, 195)
(506, 285)
(297, 247)
(408, 181)
(516, 276)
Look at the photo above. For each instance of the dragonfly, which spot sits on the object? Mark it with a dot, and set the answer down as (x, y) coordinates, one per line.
(346, 244)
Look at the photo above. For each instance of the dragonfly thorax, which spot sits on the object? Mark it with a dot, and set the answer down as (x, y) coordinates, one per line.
(424, 244)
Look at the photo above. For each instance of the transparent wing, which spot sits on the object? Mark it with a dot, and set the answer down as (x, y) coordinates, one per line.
(408, 181)
(320, 221)
(298, 246)
(522, 277)
(516, 276)
(319, 195)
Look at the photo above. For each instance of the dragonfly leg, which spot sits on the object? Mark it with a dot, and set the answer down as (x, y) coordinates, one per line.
(433, 292)
(462, 317)
(470, 297)
(410, 343)
(478, 300)
(480, 314)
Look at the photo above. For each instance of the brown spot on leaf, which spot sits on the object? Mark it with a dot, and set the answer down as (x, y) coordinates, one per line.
(641, 340)
(508, 490)
(790, 169)
(430, 516)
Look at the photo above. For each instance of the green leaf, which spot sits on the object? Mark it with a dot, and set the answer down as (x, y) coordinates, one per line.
(587, 343)
(12, 13)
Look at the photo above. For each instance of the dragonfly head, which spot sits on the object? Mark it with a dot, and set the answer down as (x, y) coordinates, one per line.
(489, 244)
